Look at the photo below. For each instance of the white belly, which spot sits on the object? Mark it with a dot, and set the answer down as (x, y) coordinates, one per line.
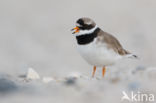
(98, 54)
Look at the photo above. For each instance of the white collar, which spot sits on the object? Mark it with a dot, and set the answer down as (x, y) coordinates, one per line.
(81, 32)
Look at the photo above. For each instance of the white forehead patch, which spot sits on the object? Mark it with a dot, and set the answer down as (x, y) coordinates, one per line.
(78, 25)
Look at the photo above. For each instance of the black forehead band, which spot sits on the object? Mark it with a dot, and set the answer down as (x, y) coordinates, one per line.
(80, 21)
(84, 26)
(87, 27)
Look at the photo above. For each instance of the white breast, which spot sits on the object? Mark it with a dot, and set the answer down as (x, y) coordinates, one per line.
(98, 54)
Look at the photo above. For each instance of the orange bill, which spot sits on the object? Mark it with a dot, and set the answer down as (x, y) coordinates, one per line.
(77, 29)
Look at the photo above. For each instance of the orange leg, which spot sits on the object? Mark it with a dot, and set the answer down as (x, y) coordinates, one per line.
(94, 70)
(103, 71)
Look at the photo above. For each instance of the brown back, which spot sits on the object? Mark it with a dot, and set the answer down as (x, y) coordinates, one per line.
(111, 42)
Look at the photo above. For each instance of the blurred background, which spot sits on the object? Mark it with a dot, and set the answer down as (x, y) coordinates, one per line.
(36, 33)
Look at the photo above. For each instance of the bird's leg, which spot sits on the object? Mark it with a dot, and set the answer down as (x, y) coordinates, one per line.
(94, 70)
(103, 71)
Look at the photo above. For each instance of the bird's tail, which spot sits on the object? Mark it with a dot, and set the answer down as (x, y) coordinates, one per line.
(130, 55)
(133, 56)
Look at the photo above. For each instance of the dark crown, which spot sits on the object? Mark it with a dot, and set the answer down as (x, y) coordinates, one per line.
(86, 23)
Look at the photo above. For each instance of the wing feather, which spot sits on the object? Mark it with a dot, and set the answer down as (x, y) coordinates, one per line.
(112, 42)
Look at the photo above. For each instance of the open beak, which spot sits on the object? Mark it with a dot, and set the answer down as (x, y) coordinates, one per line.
(76, 29)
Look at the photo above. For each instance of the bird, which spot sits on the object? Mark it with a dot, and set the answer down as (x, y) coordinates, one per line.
(97, 47)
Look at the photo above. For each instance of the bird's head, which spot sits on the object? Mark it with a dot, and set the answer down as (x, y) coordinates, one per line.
(84, 26)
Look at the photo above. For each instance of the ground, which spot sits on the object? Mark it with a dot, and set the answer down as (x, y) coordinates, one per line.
(36, 34)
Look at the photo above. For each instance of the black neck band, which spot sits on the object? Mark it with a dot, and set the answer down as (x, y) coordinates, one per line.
(87, 38)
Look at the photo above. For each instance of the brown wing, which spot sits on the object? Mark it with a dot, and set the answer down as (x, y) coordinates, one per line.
(112, 42)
